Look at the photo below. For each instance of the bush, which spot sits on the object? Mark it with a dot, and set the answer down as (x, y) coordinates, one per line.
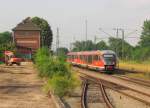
(60, 85)
(49, 65)
(57, 71)
(42, 61)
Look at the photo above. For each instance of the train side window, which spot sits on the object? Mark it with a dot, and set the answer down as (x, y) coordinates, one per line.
(84, 58)
(76, 56)
(99, 58)
(80, 57)
(69, 57)
(72, 57)
(90, 59)
(95, 57)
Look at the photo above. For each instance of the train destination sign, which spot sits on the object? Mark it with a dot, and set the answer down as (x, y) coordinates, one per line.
(108, 55)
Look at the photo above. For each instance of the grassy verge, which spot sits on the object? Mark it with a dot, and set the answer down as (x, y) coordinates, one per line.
(56, 71)
(132, 65)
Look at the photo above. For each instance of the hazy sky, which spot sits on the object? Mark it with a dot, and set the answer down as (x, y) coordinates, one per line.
(70, 16)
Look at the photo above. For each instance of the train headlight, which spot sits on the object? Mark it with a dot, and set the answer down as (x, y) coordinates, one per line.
(113, 62)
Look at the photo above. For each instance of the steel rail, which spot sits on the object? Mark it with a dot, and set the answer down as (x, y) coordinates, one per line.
(84, 93)
(116, 84)
(105, 97)
(115, 89)
(134, 80)
(130, 71)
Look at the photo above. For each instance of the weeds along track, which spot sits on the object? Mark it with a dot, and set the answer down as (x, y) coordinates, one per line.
(124, 87)
(94, 95)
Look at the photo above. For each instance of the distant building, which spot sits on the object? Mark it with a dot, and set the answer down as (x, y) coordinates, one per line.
(26, 36)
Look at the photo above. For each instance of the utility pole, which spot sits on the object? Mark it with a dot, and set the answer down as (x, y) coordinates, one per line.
(71, 44)
(122, 30)
(95, 38)
(74, 38)
(85, 33)
(117, 36)
(86, 30)
(57, 40)
(117, 33)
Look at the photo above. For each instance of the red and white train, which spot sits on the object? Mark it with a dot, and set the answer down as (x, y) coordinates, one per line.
(105, 60)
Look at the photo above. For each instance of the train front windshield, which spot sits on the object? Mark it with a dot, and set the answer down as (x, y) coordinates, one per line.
(109, 59)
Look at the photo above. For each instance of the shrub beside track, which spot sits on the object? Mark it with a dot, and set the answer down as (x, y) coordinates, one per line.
(57, 73)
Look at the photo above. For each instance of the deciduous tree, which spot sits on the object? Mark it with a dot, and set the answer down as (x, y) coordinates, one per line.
(145, 36)
(101, 46)
(46, 32)
(5, 37)
(83, 45)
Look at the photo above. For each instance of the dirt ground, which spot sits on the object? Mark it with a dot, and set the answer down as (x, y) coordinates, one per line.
(21, 88)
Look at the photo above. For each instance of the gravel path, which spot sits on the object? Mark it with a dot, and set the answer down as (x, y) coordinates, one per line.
(21, 88)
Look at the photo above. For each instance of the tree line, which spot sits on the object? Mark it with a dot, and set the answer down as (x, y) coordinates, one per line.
(114, 44)
(123, 49)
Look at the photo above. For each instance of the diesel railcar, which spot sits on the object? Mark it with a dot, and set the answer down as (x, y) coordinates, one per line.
(105, 60)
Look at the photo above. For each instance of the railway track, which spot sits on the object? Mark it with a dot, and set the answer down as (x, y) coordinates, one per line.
(134, 80)
(136, 94)
(138, 81)
(94, 95)
(130, 71)
(127, 71)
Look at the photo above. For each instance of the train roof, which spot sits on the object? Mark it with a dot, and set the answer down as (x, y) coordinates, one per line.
(98, 52)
